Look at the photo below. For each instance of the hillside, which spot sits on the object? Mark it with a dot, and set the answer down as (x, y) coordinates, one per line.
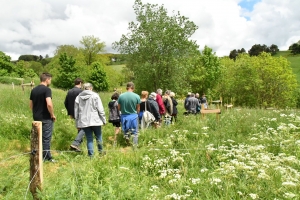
(294, 59)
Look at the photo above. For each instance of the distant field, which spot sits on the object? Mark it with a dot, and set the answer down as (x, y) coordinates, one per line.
(295, 61)
(118, 68)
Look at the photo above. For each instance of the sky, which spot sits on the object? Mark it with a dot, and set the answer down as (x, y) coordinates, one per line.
(38, 27)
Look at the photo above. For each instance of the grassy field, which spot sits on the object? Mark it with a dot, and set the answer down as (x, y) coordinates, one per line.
(295, 61)
(249, 154)
(118, 68)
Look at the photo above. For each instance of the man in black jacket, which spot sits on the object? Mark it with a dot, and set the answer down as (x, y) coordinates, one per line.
(69, 104)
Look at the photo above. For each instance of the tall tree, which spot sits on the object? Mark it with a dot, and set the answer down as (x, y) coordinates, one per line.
(158, 47)
(205, 73)
(6, 67)
(91, 47)
(98, 77)
(67, 73)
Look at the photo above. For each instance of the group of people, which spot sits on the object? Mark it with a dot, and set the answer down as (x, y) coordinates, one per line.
(193, 103)
(126, 111)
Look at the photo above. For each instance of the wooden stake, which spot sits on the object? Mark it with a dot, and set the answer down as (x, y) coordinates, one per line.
(36, 159)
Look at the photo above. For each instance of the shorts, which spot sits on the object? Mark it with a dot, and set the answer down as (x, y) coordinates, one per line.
(116, 124)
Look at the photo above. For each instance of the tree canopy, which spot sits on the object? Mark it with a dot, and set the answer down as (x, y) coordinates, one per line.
(158, 47)
(91, 48)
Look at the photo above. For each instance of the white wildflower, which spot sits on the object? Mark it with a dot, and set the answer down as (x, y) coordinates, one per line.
(253, 196)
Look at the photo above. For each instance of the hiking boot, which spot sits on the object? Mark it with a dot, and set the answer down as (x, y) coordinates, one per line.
(127, 140)
(75, 148)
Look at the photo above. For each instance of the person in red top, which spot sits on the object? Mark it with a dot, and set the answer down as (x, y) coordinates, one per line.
(160, 103)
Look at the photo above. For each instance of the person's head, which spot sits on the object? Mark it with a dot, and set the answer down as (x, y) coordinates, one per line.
(167, 92)
(197, 95)
(189, 94)
(144, 94)
(130, 86)
(46, 78)
(87, 86)
(172, 94)
(115, 96)
(203, 95)
(192, 95)
(159, 91)
(153, 95)
(78, 81)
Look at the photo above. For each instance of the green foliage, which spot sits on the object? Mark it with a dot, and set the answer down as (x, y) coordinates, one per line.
(257, 49)
(29, 58)
(6, 67)
(205, 73)
(91, 48)
(259, 81)
(158, 48)
(234, 53)
(295, 48)
(67, 73)
(98, 77)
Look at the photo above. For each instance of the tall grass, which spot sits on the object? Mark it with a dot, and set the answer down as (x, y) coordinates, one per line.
(249, 154)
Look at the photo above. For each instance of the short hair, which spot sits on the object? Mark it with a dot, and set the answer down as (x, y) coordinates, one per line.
(144, 94)
(192, 95)
(172, 94)
(159, 91)
(77, 81)
(130, 85)
(44, 76)
(153, 95)
(87, 86)
(115, 96)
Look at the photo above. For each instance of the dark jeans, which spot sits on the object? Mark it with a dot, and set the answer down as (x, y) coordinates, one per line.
(89, 137)
(78, 139)
(47, 127)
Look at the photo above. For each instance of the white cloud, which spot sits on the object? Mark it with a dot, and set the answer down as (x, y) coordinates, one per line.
(39, 26)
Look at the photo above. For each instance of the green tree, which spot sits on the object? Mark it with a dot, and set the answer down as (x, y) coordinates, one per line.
(205, 73)
(257, 49)
(71, 51)
(6, 67)
(98, 77)
(158, 48)
(67, 73)
(91, 48)
(261, 80)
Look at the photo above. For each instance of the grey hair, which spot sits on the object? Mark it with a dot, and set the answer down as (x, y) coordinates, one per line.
(159, 91)
(87, 86)
(172, 94)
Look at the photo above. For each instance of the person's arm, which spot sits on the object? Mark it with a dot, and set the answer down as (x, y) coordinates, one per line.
(100, 109)
(50, 108)
(31, 104)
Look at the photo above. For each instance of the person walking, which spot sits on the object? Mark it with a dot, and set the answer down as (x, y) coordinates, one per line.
(192, 104)
(42, 109)
(69, 105)
(168, 106)
(129, 105)
(90, 116)
(160, 103)
(114, 115)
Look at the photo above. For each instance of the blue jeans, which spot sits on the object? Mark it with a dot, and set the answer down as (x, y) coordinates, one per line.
(47, 127)
(89, 137)
(78, 139)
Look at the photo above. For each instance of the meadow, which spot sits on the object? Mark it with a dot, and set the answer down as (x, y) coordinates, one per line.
(248, 154)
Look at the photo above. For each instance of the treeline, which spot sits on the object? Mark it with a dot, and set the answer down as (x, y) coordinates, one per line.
(159, 53)
(89, 62)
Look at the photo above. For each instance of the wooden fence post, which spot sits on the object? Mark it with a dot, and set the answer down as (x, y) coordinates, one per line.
(36, 159)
